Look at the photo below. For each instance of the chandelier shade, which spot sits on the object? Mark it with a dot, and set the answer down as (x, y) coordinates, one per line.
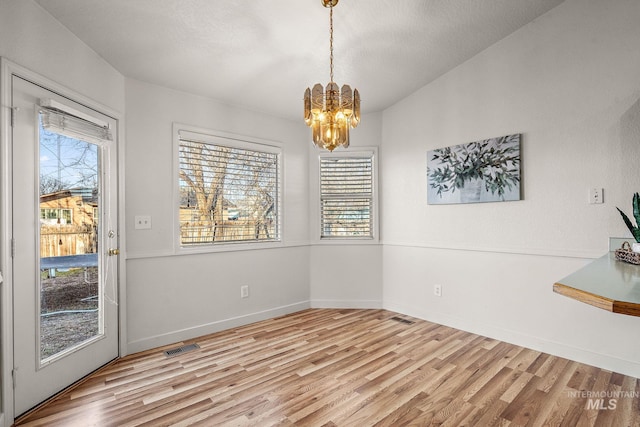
(331, 112)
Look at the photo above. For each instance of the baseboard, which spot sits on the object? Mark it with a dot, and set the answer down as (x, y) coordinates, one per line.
(604, 361)
(329, 303)
(210, 328)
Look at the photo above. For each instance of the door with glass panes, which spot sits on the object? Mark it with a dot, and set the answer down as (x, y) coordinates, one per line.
(65, 229)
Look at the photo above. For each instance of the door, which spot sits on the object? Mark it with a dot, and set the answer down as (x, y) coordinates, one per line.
(65, 229)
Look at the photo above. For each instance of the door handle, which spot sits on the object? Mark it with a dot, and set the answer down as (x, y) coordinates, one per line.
(113, 252)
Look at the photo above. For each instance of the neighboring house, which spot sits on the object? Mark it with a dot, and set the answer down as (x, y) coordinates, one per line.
(68, 222)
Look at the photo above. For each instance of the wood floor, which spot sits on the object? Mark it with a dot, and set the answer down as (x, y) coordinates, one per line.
(358, 368)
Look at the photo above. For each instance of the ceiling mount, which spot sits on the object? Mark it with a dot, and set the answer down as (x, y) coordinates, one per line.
(329, 3)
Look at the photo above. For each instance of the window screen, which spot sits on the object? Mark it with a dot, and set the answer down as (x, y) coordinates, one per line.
(346, 197)
(228, 193)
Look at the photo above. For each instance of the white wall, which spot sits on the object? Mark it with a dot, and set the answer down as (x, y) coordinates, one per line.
(569, 83)
(32, 38)
(344, 274)
(173, 297)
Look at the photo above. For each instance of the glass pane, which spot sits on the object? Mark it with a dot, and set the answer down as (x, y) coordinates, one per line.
(70, 286)
(346, 193)
(227, 194)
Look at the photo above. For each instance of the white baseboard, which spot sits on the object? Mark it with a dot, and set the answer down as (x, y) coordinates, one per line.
(329, 303)
(604, 361)
(210, 328)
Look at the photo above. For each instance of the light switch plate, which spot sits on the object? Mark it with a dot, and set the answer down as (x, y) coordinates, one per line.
(596, 196)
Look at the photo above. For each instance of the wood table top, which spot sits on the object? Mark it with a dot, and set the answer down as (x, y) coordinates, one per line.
(605, 283)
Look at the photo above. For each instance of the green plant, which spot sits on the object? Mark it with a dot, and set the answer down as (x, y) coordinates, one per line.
(635, 231)
(494, 161)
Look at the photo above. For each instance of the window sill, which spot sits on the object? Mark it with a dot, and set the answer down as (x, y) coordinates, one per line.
(344, 242)
(227, 247)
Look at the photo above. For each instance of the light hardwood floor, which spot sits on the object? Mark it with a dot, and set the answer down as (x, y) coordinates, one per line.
(324, 367)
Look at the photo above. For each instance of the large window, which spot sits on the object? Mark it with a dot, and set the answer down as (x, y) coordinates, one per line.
(347, 196)
(229, 190)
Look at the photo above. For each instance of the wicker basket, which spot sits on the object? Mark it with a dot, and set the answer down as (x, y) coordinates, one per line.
(627, 255)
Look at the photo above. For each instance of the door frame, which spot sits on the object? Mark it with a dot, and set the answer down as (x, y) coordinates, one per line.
(7, 70)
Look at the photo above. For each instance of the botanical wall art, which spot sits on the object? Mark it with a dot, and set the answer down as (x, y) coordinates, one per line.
(480, 171)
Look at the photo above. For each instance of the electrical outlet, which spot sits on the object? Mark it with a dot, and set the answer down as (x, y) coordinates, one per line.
(244, 291)
(437, 290)
(142, 222)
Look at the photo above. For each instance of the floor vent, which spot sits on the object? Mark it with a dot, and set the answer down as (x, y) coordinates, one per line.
(401, 320)
(180, 350)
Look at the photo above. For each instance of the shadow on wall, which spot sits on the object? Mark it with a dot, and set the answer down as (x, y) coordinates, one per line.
(630, 147)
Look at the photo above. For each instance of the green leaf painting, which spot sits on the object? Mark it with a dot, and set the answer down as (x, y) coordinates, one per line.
(481, 171)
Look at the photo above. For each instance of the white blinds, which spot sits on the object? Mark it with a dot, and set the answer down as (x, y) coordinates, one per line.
(346, 197)
(228, 194)
(67, 124)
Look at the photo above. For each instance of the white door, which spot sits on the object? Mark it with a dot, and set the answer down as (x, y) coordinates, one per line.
(65, 229)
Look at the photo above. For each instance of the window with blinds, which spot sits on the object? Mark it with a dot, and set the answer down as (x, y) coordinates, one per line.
(229, 191)
(346, 197)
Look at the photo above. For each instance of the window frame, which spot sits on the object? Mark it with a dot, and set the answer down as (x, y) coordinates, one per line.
(359, 152)
(59, 214)
(231, 140)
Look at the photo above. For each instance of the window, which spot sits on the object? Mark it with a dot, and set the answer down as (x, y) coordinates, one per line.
(347, 196)
(55, 216)
(229, 190)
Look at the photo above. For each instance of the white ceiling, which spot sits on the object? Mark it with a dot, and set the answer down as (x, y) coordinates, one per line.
(263, 54)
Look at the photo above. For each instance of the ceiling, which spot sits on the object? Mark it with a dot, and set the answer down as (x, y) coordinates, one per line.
(262, 55)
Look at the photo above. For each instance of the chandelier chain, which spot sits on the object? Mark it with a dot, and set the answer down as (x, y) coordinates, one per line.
(331, 43)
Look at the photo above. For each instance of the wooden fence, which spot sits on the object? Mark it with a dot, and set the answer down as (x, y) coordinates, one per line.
(226, 231)
(61, 240)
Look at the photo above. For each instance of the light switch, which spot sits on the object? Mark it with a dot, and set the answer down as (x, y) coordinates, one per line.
(596, 196)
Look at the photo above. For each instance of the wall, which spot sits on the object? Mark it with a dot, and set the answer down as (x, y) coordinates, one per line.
(174, 297)
(344, 274)
(568, 82)
(31, 38)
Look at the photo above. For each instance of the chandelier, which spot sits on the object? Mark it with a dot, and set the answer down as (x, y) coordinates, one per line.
(331, 112)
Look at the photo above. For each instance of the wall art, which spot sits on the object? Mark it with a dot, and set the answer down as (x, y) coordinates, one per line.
(480, 171)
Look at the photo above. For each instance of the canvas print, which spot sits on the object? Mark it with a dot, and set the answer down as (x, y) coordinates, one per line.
(480, 171)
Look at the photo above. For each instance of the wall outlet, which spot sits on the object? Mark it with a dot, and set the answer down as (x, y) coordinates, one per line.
(437, 290)
(142, 222)
(244, 291)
